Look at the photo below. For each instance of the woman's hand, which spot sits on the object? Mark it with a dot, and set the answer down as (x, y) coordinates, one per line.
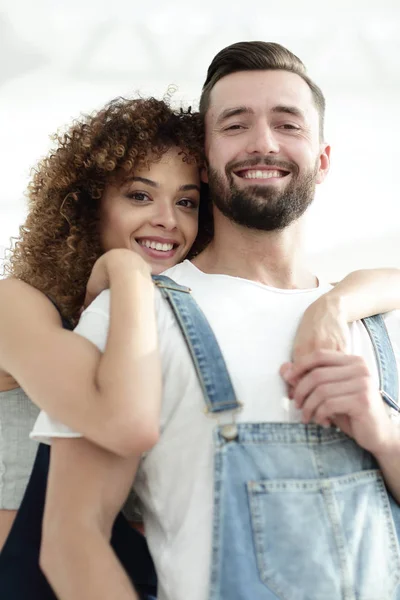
(101, 276)
(324, 326)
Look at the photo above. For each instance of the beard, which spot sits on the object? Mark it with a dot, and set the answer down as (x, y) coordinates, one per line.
(263, 207)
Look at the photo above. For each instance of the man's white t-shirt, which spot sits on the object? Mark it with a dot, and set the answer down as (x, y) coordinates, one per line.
(255, 327)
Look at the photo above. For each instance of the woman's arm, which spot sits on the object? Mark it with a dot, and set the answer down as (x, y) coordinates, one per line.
(76, 555)
(104, 396)
(367, 292)
(360, 294)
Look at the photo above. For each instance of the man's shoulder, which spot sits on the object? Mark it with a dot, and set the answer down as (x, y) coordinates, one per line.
(180, 272)
(392, 317)
(392, 322)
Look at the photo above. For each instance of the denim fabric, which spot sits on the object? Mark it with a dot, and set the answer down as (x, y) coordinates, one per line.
(203, 347)
(385, 360)
(300, 512)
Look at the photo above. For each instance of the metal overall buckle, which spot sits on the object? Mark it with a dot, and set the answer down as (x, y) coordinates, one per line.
(226, 422)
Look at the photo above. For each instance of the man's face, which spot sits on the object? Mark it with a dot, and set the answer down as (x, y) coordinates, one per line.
(263, 149)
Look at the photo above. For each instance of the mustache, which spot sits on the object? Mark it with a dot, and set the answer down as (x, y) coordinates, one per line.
(269, 161)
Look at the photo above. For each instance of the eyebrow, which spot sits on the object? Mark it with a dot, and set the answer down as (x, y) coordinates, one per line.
(182, 188)
(289, 110)
(241, 110)
(234, 112)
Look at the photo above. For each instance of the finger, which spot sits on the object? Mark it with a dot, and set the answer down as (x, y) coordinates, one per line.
(318, 377)
(285, 369)
(319, 358)
(335, 409)
(327, 393)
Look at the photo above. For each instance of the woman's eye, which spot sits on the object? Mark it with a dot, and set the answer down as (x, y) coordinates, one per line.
(138, 196)
(188, 203)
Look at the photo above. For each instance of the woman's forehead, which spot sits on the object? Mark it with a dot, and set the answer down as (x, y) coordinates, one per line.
(172, 163)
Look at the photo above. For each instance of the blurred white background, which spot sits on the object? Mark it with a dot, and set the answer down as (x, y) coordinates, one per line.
(62, 57)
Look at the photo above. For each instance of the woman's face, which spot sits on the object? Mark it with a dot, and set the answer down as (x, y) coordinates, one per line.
(154, 212)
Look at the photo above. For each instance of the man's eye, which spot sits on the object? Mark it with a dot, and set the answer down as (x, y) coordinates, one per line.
(234, 127)
(289, 126)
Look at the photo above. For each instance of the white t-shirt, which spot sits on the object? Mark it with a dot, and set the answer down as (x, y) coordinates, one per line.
(255, 326)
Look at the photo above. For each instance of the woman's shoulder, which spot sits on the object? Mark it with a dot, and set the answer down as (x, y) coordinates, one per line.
(17, 296)
(13, 285)
(26, 317)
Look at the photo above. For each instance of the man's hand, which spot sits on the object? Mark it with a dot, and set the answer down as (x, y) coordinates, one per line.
(102, 272)
(331, 387)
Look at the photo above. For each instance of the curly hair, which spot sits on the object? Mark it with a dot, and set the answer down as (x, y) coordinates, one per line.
(60, 241)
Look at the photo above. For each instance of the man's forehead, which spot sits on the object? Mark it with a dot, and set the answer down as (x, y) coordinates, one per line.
(260, 90)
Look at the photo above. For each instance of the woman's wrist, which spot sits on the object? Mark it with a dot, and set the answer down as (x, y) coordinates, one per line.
(335, 302)
(122, 264)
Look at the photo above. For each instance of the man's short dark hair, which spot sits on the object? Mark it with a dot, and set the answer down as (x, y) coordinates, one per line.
(258, 56)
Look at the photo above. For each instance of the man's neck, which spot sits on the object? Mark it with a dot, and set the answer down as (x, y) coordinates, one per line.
(273, 258)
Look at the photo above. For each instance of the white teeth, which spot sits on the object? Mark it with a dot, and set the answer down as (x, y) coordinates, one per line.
(262, 174)
(156, 245)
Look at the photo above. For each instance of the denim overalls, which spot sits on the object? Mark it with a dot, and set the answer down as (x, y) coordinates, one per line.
(300, 512)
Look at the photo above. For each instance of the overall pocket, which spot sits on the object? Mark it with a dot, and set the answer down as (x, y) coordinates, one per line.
(325, 539)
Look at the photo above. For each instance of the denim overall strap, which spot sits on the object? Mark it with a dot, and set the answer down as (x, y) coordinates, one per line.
(206, 355)
(385, 360)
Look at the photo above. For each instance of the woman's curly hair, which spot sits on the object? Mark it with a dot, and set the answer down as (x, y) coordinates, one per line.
(60, 240)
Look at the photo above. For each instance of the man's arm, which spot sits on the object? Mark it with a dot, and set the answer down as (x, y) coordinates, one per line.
(86, 489)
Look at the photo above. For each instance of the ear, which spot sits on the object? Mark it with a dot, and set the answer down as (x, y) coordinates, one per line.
(324, 162)
(204, 174)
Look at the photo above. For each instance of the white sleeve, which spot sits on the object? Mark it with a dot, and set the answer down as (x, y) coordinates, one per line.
(93, 325)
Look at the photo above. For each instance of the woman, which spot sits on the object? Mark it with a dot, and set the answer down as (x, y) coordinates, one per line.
(126, 178)
(84, 200)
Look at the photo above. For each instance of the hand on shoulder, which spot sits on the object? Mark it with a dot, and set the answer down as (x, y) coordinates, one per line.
(119, 261)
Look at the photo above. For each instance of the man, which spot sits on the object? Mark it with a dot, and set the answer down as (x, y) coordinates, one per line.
(293, 502)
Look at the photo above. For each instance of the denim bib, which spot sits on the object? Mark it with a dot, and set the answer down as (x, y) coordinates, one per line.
(300, 512)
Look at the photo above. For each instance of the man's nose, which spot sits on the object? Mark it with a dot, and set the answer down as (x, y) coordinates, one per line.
(263, 141)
